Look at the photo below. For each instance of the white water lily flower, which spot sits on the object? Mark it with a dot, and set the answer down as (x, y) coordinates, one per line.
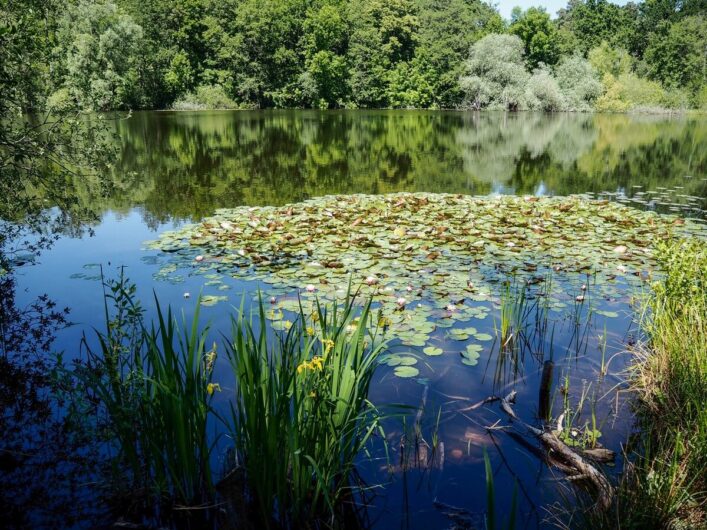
(199, 258)
(310, 288)
(409, 288)
(401, 301)
(186, 295)
(371, 280)
(451, 307)
(273, 299)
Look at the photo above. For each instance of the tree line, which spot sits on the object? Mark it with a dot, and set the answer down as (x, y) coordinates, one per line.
(133, 54)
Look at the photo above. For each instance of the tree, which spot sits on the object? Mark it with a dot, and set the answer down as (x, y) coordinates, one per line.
(447, 29)
(383, 34)
(594, 21)
(496, 74)
(99, 47)
(607, 60)
(326, 73)
(677, 54)
(579, 83)
(173, 55)
(539, 36)
(543, 93)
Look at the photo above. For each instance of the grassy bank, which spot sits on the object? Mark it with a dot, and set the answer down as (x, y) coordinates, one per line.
(665, 486)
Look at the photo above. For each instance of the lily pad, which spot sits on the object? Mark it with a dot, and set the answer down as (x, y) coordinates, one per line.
(433, 351)
(406, 371)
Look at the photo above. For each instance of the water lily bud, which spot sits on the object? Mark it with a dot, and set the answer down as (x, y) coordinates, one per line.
(199, 258)
(579, 298)
(371, 280)
(584, 287)
(273, 299)
(310, 288)
(401, 301)
(186, 295)
(409, 288)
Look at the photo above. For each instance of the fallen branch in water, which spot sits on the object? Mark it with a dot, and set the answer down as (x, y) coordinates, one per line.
(576, 467)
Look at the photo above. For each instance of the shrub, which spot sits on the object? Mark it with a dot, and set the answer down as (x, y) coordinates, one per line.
(543, 92)
(630, 92)
(60, 101)
(579, 83)
(206, 97)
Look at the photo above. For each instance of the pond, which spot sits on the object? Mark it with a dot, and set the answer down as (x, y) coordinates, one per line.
(387, 199)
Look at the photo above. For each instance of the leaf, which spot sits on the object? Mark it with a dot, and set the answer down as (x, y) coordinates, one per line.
(433, 351)
(406, 371)
(483, 337)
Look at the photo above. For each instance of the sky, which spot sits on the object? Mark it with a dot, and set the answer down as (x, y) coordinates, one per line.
(551, 6)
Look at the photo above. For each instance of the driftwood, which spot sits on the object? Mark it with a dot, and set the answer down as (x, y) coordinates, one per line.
(573, 464)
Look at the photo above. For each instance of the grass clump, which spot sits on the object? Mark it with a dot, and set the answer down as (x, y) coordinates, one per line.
(152, 386)
(665, 484)
(301, 413)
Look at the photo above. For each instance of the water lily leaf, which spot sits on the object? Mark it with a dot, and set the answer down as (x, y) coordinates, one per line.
(483, 336)
(406, 371)
(607, 314)
(433, 351)
(211, 300)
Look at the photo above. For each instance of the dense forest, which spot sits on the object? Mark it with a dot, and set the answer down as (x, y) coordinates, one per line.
(135, 54)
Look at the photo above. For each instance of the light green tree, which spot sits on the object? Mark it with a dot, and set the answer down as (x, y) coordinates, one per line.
(579, 82)
(496, 75)
(543, 93)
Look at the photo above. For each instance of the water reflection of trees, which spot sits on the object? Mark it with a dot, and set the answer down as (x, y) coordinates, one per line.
(185, 165)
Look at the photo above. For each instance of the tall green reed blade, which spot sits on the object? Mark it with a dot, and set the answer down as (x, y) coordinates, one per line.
(153, 387)
(301, 415)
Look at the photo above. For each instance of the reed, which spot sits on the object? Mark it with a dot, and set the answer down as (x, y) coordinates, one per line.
(301, 414)
(664, 483)
(153, 389)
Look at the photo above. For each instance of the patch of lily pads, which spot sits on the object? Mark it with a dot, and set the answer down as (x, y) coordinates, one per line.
(431, 262)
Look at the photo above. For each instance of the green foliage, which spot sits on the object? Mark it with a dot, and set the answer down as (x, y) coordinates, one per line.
(111, 54)
(496, 76)
(447, 30)
(324, 82)
(301, 413)
(205, 97)
(607, 60)
(383, 34)
(675, 55)
(410, 85)
(539, 36)
(579, 83)
(630, 92)
(595, 21)
(543, 92)
(153, 386)
(664, 487)
(99, 48)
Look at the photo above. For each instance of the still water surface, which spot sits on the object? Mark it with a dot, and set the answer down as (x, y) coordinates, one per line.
(175, 168)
